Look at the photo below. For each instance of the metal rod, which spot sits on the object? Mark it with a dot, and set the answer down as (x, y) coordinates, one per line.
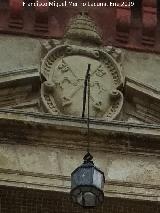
(85, 91)
(88, 118)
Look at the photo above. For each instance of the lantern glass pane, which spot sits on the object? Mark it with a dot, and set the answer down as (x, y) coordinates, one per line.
(98, 179)
(73, 181)
(79, 198)
(89, 199)
(84, 176)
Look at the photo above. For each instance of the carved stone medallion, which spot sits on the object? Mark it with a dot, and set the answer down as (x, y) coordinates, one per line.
(64, 69)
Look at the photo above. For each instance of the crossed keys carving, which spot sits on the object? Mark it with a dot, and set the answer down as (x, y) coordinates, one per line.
(79, 83)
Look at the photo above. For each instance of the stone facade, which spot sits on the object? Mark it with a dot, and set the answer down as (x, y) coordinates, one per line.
(43, 137)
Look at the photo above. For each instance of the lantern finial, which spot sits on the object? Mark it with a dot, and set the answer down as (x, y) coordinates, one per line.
(88, 158)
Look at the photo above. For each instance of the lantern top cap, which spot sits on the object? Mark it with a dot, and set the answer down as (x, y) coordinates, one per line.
(88, 158)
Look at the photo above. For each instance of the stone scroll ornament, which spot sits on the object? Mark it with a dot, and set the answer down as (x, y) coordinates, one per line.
(64, 67)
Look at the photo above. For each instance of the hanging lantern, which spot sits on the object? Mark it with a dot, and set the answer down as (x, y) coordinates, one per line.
(87, 181)
(87, 184)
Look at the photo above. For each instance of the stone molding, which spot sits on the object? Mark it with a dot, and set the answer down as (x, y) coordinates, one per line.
(139, 139)
(126, 190)
(142, 101)
(25, 74)
(139, 86)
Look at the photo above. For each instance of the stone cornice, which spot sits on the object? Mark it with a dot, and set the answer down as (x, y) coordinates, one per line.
(143, 88)
(144, 101)
(9, 77)
(48, 130)
(62, 183)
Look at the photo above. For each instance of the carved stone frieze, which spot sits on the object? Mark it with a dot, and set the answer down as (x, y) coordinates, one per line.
(64, 68)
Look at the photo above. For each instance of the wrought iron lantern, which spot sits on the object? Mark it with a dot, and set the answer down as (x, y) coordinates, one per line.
(87, 183)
